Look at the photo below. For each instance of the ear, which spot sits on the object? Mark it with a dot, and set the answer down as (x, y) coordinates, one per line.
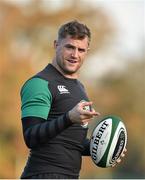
(55, 44)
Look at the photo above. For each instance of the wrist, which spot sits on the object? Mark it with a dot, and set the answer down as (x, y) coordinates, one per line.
(68, 119)
(70, 116)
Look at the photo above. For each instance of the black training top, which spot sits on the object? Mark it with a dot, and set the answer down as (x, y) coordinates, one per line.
(56, 144)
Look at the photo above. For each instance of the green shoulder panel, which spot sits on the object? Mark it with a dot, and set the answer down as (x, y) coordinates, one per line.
(36, 98)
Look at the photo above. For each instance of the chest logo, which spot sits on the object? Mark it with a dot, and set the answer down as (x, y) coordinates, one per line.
(62, 89)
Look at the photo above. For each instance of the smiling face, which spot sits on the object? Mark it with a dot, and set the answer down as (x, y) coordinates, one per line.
(70, 54)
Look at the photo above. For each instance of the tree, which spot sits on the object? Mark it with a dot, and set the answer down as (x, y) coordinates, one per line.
(27, 35)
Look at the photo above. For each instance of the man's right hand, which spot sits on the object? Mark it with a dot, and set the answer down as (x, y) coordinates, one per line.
(80, 115)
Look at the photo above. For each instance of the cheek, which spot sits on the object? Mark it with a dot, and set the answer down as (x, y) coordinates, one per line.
(82, 57)
(66, 53)
(58, 51)
(61, 52)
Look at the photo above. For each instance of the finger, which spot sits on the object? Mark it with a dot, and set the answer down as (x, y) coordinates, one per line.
(125, 150)
(84, 105)
(89, 110)
(118, 160)
(97, 113)
(82, 124)
(91, 114)
(113, 165)
(86, 121)
(122, 155)
(86, 115)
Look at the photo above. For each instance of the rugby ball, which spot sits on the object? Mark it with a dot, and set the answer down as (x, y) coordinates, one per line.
(108, 141)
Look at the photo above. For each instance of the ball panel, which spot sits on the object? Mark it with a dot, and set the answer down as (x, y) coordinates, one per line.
(100, 139)
(114, 123)
(118, 144)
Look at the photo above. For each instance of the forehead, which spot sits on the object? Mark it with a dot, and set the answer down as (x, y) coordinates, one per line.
(83, 43)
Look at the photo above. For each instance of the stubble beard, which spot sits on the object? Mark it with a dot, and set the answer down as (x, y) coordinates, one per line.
(66, 70)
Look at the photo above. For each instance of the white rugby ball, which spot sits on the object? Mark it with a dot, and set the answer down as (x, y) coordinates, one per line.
(108, 141)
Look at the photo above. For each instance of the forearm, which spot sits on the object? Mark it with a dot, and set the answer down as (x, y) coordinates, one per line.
(86, 145)
(37, 130)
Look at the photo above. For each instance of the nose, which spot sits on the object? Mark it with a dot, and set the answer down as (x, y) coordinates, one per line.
(74, 53)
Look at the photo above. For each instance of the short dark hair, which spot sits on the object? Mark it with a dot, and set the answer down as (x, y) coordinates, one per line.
(75, 29)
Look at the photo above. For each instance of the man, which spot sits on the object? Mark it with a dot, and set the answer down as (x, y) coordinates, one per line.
(56, 110)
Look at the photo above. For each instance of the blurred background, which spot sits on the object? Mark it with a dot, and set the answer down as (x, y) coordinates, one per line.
(113, 73)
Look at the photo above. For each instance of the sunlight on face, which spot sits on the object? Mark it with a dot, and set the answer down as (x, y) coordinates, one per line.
(70, 54)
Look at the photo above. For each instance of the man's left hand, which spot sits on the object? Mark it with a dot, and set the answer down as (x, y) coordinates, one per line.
(118, 161)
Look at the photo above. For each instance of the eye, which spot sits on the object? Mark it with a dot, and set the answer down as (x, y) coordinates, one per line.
(68, 46)
(82, 50)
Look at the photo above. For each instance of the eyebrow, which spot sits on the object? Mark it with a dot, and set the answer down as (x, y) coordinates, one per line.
(74, 47)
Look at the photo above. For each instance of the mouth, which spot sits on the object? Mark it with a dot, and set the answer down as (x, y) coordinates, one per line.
(72, 61)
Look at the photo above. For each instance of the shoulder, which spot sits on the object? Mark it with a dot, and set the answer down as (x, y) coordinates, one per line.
(35, 86)
(36, 98)
(81, 84)
(34, 83)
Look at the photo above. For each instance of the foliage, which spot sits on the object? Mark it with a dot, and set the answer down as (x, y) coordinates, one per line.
(27, 34)
(122, 94)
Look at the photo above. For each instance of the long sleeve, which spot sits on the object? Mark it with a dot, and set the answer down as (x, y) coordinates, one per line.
(37, 130)
(86, 145)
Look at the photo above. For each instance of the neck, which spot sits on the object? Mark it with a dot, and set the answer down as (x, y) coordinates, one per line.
(71, 76)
